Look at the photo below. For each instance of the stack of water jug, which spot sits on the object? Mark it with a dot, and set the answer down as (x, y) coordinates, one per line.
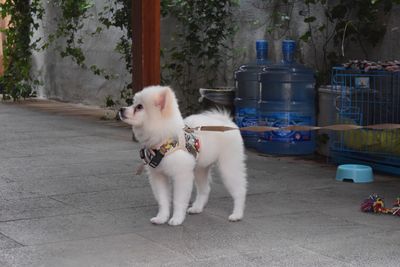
(276, 95)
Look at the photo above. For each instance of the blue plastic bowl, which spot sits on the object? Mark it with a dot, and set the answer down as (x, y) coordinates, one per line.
(355, 172)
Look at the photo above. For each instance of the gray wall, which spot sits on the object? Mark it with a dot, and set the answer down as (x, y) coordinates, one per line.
(255, 18)
(63, 79)
(389, 48)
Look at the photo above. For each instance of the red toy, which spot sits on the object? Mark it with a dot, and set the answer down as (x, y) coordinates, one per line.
(375, 204)
(396, 207)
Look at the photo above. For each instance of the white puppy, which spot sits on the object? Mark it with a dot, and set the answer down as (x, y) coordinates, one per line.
(155, 118)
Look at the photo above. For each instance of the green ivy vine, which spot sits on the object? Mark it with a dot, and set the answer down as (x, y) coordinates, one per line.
(348, 22)
(74, 15)
(201, 39)
(203, 31)
(25, 19)
(18, 46)
(343, 23)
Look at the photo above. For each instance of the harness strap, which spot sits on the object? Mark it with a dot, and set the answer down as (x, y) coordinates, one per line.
(186, 141)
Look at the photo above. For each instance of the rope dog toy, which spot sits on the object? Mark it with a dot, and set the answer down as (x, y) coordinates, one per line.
(375, 204)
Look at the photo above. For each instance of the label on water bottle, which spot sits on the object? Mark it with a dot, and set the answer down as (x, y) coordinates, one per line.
(247, 117)
(282, 119)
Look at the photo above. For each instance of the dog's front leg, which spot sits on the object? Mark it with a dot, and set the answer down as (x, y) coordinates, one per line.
(161, 190)
(183, 185)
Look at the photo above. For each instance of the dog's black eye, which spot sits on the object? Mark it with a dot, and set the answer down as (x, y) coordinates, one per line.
(138, 107)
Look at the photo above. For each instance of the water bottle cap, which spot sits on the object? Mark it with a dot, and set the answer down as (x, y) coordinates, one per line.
(288, 45)
(261, 45)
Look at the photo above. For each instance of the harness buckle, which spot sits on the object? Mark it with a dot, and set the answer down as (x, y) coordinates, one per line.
(156, 159)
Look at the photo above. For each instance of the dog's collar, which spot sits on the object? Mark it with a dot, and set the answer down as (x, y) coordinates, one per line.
(186, 141)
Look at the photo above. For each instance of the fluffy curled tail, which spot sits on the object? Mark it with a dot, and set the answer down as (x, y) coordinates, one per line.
(219, 114)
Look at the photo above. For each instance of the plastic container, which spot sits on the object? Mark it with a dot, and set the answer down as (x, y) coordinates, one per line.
(355, 172)
(262, 52)
(247, 91)
(288, 51)
(287, 98)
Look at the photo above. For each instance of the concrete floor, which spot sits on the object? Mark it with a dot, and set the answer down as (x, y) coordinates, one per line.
(68, 197)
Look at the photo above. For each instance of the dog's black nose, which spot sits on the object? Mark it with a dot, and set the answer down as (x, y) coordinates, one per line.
(121, 113)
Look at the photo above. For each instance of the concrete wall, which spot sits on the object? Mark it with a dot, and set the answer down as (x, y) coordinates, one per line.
(63, 79)
(389, 48)
(255, 18)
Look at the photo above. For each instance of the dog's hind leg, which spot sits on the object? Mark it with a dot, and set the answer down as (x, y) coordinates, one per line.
(202, 181)
(233, 173)
(161, 190)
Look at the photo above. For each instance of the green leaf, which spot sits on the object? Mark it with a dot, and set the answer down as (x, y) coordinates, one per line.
(310, 19)
(306, 36)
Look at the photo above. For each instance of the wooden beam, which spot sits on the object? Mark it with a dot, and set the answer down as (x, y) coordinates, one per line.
(145, 43)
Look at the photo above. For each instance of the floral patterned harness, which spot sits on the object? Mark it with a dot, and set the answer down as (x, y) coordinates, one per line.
(186, 141)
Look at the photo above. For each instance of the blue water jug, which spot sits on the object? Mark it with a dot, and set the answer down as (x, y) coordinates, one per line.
(287, 98)
(247, 93)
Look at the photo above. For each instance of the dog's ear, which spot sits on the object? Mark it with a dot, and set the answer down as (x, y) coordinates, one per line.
(163, 100)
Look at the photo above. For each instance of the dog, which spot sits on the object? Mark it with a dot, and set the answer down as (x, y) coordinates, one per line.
(155, 118)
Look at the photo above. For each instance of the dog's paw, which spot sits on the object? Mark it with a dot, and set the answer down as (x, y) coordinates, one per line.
(194, 210)
(158, 220)
(175, 221)
(235, 217)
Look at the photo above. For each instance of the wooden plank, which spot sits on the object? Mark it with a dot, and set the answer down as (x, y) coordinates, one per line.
(145, 43)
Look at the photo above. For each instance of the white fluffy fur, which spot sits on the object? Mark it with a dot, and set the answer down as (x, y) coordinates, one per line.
(160, 119)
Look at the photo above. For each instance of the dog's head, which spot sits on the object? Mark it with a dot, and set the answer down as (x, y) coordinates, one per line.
(155, 108)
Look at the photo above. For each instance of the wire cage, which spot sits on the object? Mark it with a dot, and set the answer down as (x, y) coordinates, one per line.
(366, 98)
